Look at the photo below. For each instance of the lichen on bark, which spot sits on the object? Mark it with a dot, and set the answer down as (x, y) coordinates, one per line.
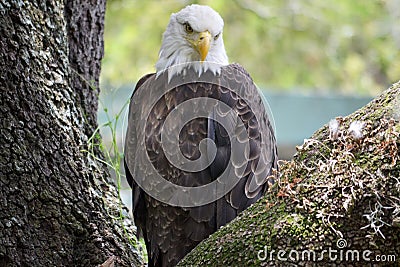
(340, 193)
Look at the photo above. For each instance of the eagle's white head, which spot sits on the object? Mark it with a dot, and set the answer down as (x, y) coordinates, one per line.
(193, 38)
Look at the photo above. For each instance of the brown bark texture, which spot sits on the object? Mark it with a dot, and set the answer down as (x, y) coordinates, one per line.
(57, 205)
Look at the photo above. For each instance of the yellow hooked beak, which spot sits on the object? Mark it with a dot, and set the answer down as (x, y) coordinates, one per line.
(203, 44)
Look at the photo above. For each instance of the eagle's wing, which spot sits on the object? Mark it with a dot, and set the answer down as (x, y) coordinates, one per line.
(171, 232)
(138, 204)
(244, 97)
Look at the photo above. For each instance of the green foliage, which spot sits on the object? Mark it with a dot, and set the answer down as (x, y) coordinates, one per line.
(350, 46)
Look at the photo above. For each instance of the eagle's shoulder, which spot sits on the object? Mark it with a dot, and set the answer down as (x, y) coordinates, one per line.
(142, 81)
(236, 67)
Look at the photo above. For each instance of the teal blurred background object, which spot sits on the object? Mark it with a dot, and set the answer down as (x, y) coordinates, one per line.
(298, 116)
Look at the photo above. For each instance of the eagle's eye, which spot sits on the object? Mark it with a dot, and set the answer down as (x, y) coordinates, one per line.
(188, 28)
(217, 36)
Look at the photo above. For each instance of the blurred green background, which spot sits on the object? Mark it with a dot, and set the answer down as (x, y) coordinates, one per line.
(318, 46)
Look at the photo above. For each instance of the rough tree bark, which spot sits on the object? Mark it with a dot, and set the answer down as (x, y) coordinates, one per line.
(340, 192)
(57, 206)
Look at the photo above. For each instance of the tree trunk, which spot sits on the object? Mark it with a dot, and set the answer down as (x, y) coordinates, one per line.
(338, 200)
(57, 205)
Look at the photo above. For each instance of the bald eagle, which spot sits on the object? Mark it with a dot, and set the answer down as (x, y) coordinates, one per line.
(199, 146)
